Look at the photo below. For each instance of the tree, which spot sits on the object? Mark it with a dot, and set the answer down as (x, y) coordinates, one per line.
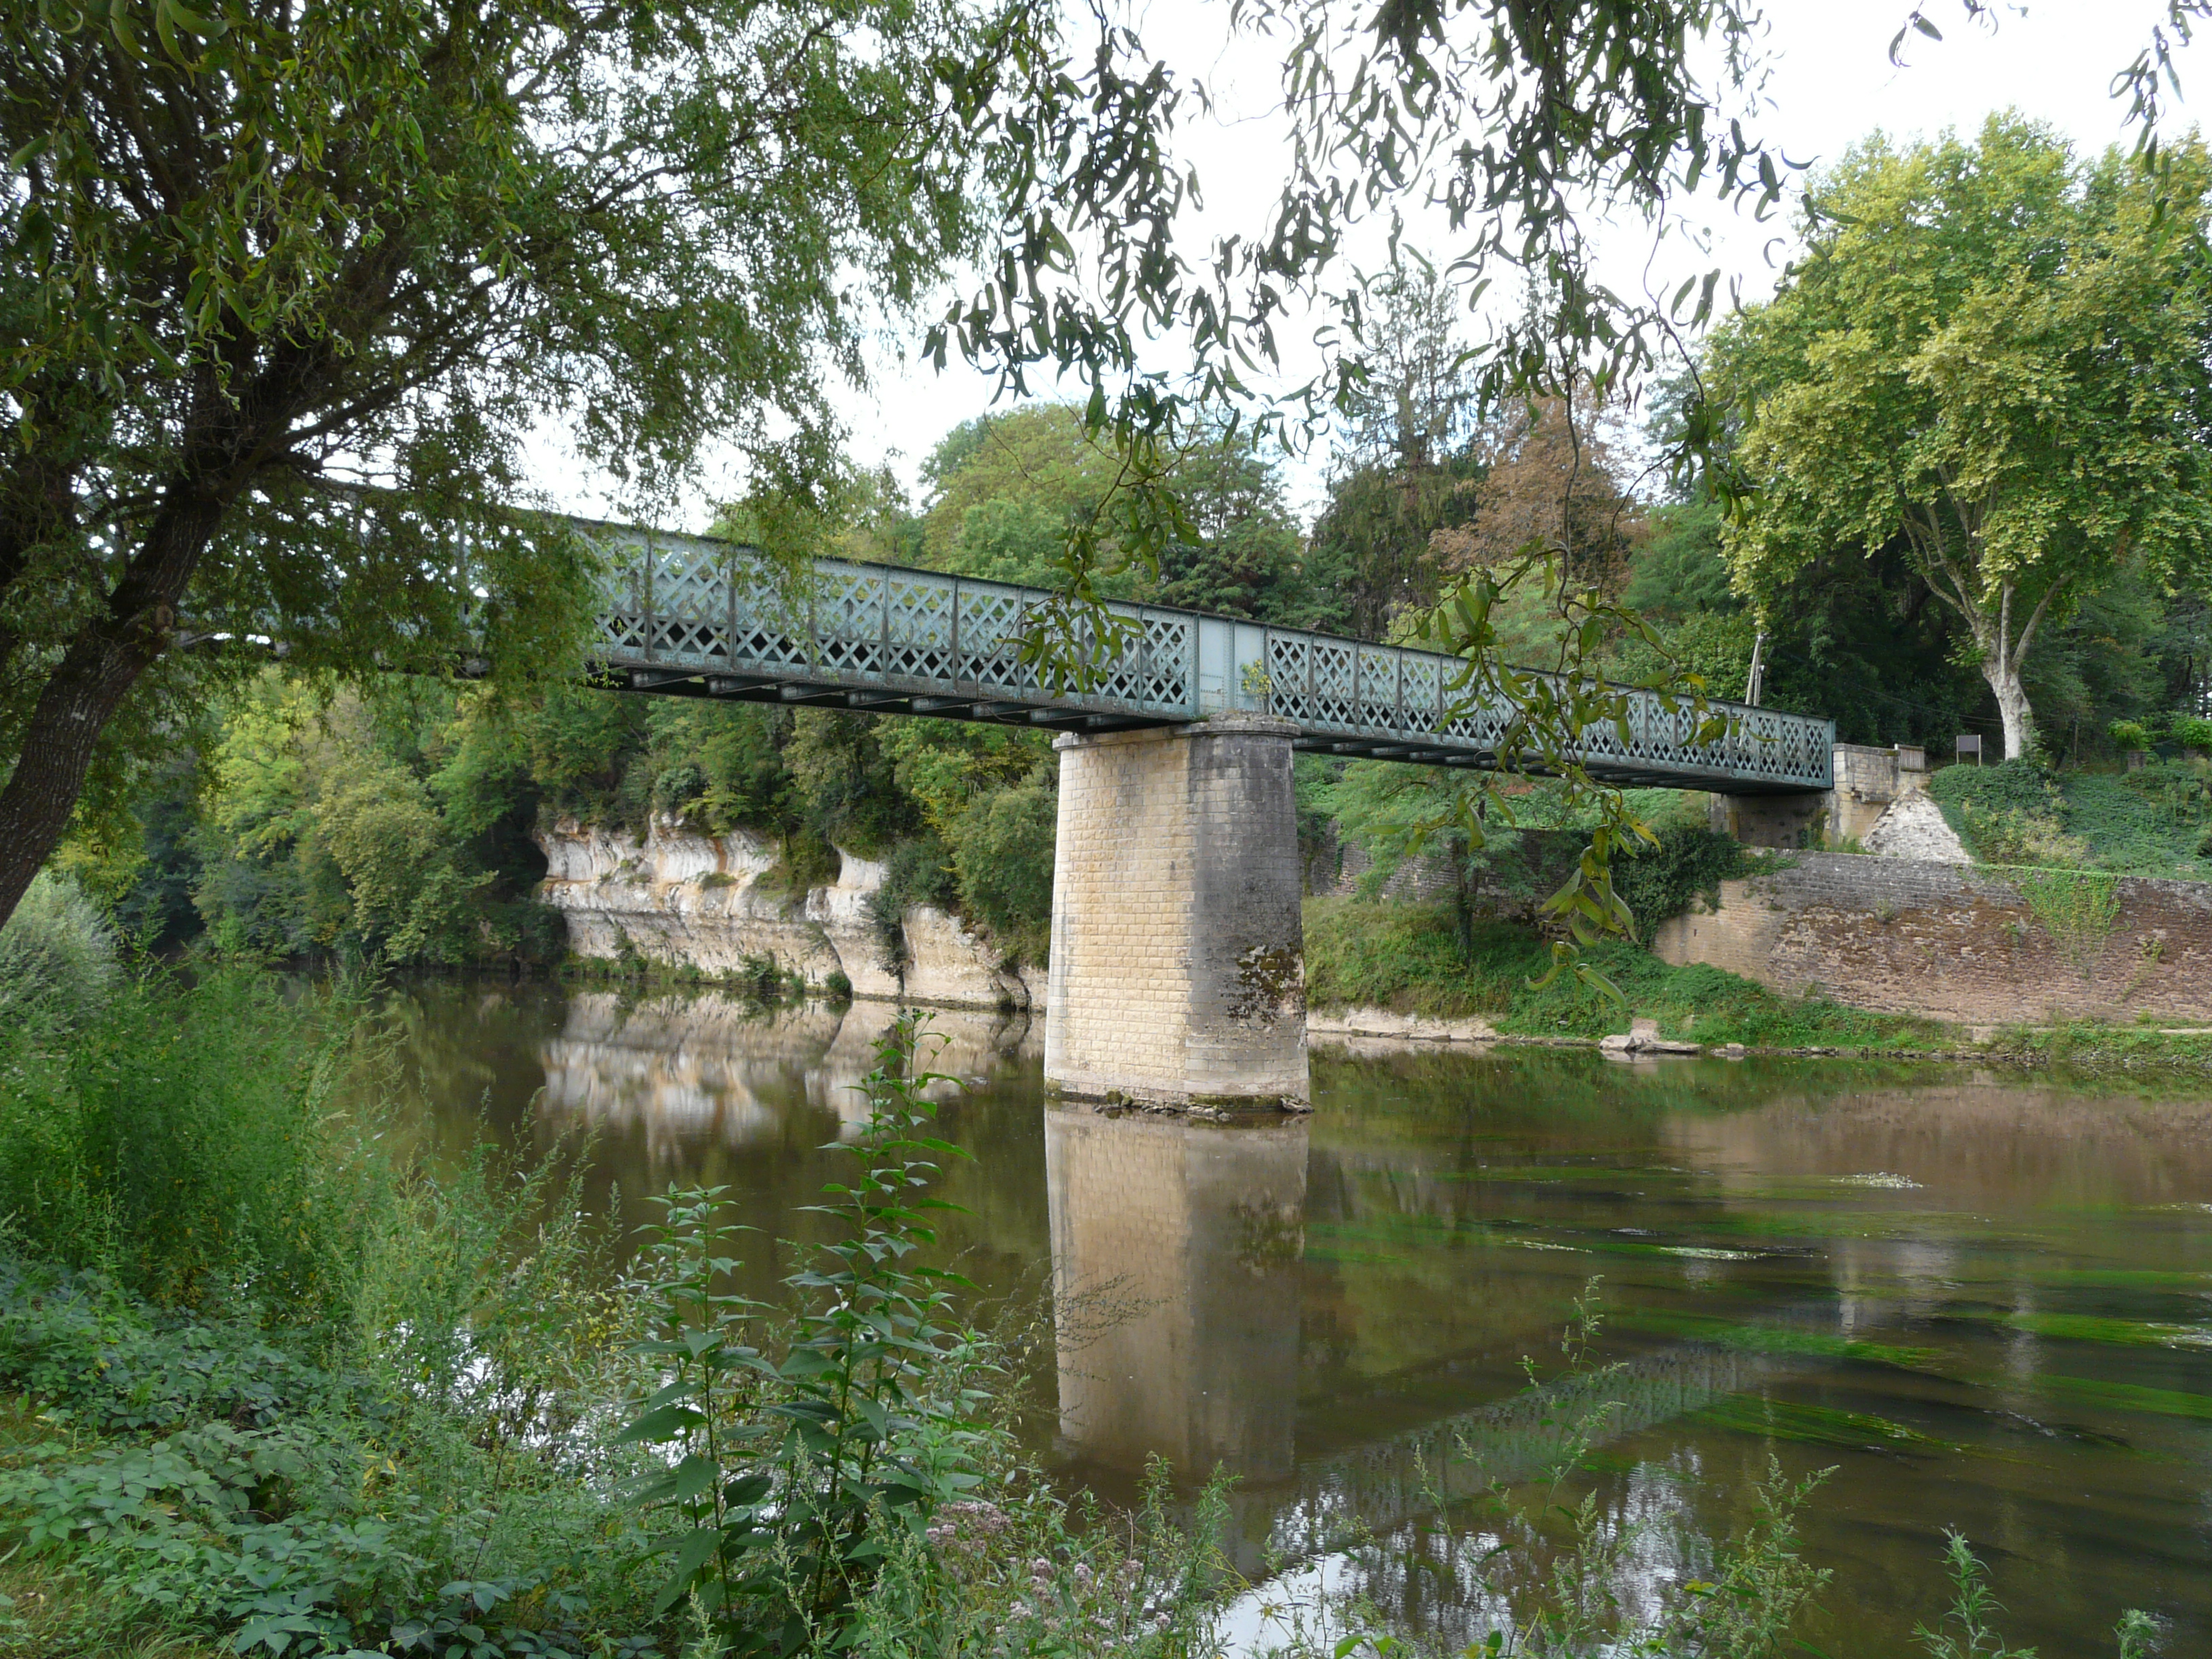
(260, 257)
(257, 251)
(1408, 408)
(1549, 479)
(1999, 356)
(1008, 490)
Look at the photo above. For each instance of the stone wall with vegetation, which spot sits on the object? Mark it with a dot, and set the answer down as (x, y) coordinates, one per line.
(1991, 946)
(723, 907)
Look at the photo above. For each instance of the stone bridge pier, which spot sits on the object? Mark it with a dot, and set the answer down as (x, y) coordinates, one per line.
(1178, 969)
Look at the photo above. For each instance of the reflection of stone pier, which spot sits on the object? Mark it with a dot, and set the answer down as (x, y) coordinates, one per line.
(1175, 1247)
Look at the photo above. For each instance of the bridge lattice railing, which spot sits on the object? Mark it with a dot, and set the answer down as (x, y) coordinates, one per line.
(686, 603)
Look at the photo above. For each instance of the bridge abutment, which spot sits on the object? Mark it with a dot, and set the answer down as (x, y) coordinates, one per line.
(1867, 779)
(1784, 822)
(1178, 954)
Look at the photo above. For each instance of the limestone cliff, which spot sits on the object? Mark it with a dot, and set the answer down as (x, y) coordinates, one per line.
(710, 902)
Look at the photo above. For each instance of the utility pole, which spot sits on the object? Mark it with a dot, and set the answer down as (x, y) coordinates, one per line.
(1755, 683)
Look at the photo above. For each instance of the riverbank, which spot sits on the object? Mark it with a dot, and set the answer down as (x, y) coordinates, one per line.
(1395, 971)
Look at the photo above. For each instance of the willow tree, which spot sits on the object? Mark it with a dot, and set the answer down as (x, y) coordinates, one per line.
(1996, 356)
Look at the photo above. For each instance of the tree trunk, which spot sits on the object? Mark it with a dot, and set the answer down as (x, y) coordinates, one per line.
(2003, 651)
(102, 662)
(2003, 675)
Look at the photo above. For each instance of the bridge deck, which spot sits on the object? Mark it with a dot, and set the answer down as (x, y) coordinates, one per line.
(686, 616)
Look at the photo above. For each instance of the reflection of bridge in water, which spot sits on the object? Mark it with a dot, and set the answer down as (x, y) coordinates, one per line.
(1176, 1256)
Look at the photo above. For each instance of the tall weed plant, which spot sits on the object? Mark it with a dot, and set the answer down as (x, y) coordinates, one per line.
(795, 1447)
(58, 958)
(182, 1139)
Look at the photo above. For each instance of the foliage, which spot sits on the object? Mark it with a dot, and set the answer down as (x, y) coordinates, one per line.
(1550, 478)
(421, 1456)
(352, 1407)
(2151, 822)
(790, 1468)
(1990, 354)
(57, 956)
(2076, 908)
(180, 1141)
(1550, 709)
(1857, 638)
(339, 825)
(366, 245)
(1966, 1631)
(1688, 863)
(1407, 957)
(1406, 465)
(1002, 853)
(2129, 734)
(918, 871)
(1008, 490)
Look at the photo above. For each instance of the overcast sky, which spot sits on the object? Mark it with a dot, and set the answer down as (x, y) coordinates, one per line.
(1831, 83)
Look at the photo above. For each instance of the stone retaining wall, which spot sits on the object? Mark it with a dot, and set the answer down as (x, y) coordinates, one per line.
(1952, 942)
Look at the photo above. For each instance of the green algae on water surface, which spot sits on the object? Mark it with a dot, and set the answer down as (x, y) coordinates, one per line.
(2131, 1332)
(2132, 1397)
(1817, 1426)
(1781, 1339)
(2092, 1327)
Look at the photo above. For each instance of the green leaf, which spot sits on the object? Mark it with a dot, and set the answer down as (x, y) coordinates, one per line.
(692, 1554)
(665, 1423)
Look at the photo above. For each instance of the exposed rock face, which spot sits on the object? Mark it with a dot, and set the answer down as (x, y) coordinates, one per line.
(705, 902)
(1914, 828)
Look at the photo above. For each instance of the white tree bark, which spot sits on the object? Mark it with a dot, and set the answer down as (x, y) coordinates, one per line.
(2002, 652)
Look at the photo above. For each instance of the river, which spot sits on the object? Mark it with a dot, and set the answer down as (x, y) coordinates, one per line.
(1985, 1300)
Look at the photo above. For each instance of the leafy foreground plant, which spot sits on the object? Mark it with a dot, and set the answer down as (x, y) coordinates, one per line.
(412, 1447)
(828, 1498)
(790, 1469)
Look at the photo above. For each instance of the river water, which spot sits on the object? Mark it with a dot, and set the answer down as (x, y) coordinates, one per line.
(1984, 1300)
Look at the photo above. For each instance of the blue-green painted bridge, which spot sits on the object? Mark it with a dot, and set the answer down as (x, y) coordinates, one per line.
(689, 617)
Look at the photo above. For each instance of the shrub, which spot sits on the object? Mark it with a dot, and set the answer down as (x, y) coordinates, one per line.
(2129, 734)
(183, 1141)
(1691, 862)
(918, 871)
(1002, 852)
(2014, 813)
(57, 961)
(679, 791)
(2191, 732)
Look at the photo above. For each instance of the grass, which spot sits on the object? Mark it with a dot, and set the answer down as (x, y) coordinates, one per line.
(2128, 1056)
(1406, 958)
(2154, 821)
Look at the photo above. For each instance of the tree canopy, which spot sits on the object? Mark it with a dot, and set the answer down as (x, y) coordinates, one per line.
(1995, 357)
(286, 287)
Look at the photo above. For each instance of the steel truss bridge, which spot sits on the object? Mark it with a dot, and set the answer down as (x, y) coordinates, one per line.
(687, 615)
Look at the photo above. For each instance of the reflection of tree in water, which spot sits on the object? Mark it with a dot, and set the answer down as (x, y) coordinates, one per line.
(1269, 1235)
